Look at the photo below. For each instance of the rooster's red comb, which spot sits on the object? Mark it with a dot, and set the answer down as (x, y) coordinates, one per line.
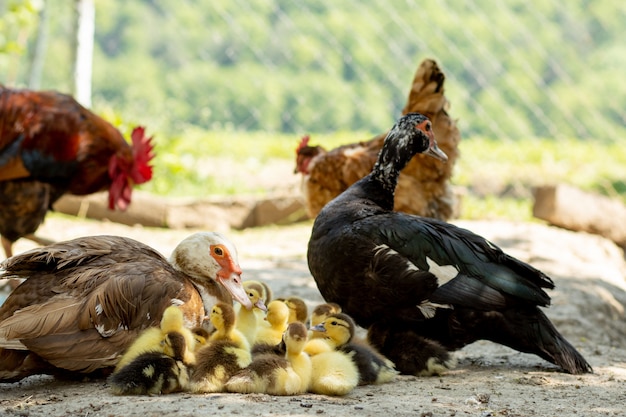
(304, 142)
(143, 152)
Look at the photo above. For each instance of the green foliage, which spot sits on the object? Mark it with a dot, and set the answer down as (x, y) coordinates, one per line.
(515, 69)
(242, 80)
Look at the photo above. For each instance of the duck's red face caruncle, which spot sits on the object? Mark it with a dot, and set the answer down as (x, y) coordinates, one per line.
(229, 274)
(433, 150)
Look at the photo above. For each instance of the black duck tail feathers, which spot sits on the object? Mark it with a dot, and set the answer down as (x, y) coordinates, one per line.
(532, 332)
(558, 350)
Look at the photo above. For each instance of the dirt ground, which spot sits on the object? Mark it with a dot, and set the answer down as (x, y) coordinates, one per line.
(489, 380)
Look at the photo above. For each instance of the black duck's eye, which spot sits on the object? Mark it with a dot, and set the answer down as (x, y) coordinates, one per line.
(427, 127)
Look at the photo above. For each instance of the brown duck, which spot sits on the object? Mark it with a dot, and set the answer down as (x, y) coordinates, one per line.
(85, 300)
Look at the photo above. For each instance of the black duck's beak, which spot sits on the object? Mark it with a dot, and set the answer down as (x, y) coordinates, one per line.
(434, 151)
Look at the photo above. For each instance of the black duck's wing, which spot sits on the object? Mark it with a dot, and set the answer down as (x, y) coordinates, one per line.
(484, 273)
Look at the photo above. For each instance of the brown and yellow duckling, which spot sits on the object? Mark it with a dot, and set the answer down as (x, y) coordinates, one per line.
(338, 330)
(157, 362)
(226, 352)
(298, 310)
(161, 339)
(322, 311)
(154, 372)
(277, 375)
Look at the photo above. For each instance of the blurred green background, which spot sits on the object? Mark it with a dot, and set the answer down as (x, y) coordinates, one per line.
(538, 87)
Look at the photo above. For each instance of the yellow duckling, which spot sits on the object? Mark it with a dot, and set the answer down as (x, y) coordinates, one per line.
(224, 320)
(271, 331)
(317, 342)
(248, 320)
(298, 311)
(374, 368)
(226, 352)
(153, 372)
(266, 293)
(334, 373)
(276, 375)
(153, 339)
(322, 311)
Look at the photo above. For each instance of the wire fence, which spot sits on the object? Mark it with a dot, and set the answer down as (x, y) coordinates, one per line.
(492, 83)
(515, 69)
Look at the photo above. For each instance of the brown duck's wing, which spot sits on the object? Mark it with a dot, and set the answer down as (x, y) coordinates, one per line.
(85, 313)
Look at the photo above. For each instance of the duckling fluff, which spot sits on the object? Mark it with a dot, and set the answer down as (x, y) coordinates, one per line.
(216, 363)
(150, 373)
(226, 353)
(276, 375)
(224, 320)
(153, 373)
(248, 320)
(334, 373)
(153, 338)
(298, 311)
(374, 368)
(271, 331)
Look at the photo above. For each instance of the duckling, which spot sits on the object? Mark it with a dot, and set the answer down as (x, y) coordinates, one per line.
(298, 311)
(276, 375)
(319, 314)
(216, 363)
(373, 367)
(271, 331)
(266, 293)
(226, 353)
(224, 320)
(201, 336)
(150, 373)
(247, 320)
(154, 339)
(322, 311)
(334, 373)
(153, 372)
(295, 338)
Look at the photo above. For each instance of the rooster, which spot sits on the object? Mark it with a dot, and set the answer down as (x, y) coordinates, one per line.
(423, 187)
(51, 145)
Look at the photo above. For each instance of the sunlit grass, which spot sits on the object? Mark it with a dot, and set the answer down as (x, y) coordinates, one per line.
(592, 166)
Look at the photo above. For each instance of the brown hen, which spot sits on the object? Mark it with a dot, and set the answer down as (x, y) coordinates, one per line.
(423, 187)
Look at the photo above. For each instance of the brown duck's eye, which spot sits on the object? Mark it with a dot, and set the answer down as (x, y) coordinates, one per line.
(218, 251)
